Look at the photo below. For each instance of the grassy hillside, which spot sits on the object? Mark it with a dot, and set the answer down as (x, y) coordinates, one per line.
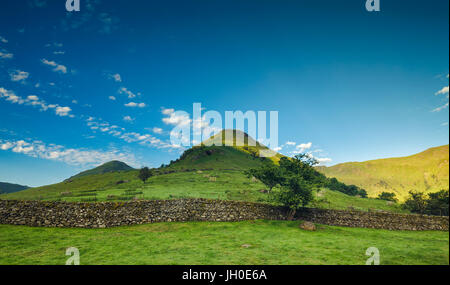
(269, 242)
(214, 172)
(11, 188)
(112, 166)
(212, 184)
(427, 171)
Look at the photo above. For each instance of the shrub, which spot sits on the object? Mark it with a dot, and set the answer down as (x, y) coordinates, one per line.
(387, 196)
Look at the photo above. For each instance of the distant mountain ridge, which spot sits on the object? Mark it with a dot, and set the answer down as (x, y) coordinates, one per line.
(11, 187)
(112, 166)
(427, 171)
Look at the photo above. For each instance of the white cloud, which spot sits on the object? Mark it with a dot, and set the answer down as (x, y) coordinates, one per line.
(71, 156)
(117, 77)
(438, 109)
(175, 118)
(304, 146)
(278, 148)
(112, 98)
(6, 146)
(63, 111)
(167, 111)
(3, 40)
(128, 119)
(57, 67)
(6, 55)
(133, 104)
(33, 100)
(11, 96)
(127, 92)
(129, 137)
(323, 160)
(157, 130)
(18, 75)
(444, 90)
(290, 143)
(444, 124)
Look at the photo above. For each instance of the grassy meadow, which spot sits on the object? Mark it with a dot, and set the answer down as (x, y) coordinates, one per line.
(250, 242)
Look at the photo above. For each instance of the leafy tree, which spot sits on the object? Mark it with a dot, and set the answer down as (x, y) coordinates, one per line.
(387, 196)
(362, 193)
(144, 174)
(302, 165)
(416, 202)
(297, 194)
(270, 175)
(437, 203)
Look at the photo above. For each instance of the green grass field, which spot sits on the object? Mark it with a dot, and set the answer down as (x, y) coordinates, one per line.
(271, 242)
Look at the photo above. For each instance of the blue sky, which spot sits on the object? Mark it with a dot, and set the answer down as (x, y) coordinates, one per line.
(78, 89)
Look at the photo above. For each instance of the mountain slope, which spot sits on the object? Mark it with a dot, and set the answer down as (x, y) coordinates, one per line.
(112, 166)
(11, 188)
(222, 152)
(214, 172)
(427, 171)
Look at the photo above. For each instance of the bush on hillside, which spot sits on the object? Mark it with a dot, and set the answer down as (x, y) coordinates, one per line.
(387, 196)
(144, 174)
(435, 204)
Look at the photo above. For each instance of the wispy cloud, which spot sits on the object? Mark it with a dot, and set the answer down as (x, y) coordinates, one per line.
(6, 55)
(323, 160)
(128, 119)
(304, 146)
(71, 156)
(116, 77)
(33, 100)
(134, 104)
(18, 75)
(157, 130)
(97, 125)
(57, 67)
(444, 90)
(175, 118)
(3, 40)
(127, 92)
(438, 109)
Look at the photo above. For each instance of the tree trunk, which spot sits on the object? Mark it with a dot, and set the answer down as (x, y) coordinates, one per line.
(291, 214)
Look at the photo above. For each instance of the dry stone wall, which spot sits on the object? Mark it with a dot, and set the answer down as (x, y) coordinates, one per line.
(111, 214)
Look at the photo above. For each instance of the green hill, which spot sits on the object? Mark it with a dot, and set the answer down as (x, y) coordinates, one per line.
(112, 166)
(214, 172)
(11, 188)
(221, 152)
(427, 171)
